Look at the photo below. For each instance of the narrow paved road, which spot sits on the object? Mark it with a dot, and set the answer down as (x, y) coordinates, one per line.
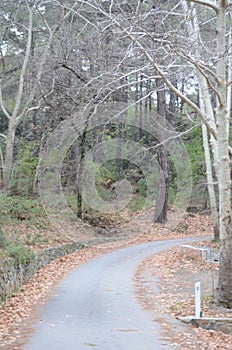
(95, 307)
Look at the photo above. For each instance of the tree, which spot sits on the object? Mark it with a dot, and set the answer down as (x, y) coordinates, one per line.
(99, 49)
(224, 291)
(220, 88)
(21, 68)
(138, 26)
(161, 206)
(206, 105)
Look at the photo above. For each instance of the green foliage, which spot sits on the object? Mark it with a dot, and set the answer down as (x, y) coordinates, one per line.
(24, 174)
(137, 203)
(181, 228)
(36, 239)
(106, 175)
(177, 306)
(12, 208)
(172, 193)
(19, 252)
(142, 186)
(194, 147)
(15, 208)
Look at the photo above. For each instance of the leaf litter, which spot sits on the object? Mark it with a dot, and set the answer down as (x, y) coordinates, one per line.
(16, 313)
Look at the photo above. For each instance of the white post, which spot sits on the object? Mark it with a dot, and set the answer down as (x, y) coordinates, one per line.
(198, 300)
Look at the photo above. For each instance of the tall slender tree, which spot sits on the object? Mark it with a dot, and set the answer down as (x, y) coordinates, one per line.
(161, 206)
(138, 28)
(17, 54)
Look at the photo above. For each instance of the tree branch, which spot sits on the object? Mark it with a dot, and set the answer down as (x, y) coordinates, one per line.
(2, 105)
(205, 3)
(174, 89)
(1, 158)
(73, 71)
(158, 68)
(24, 66)
(42, 63)
(175, 136)
(201, 69)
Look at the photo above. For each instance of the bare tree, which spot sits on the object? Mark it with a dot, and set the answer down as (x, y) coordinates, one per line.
(206, 105)
(16, 67)
(137, 23)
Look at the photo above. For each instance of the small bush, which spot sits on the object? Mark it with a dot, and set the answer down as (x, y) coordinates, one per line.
(20, 253)
(137, 203)
(20, 208)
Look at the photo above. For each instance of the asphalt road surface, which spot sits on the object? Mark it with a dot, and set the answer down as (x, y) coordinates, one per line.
(95, 307)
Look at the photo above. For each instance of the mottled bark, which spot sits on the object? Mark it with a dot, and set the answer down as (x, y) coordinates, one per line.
(224, 289)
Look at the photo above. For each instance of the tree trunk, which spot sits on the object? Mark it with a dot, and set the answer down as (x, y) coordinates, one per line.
(2, 166)
(9, 155)
(119, 152)
(207, 108)
(224, 290)
(148, 101)
(210, 183)
(140, 130)
(172, 108)
(161, 207)
(136, 99)
(81, 151)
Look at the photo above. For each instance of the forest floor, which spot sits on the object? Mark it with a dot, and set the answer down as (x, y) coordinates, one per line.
(174, 272)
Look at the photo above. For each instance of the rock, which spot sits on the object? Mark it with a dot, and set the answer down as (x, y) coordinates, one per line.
(13, 274)
(201, 253)
(216, 324)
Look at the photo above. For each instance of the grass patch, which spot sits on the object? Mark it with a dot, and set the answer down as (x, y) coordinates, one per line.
(20, 253)
(15, 209)
(177, 306)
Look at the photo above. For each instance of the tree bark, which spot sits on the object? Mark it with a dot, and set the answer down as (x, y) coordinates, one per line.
(118, 160)
(161, 207)
(9, 154)
(224, 289)
(81, 151)
(207, 108)
(210, 183)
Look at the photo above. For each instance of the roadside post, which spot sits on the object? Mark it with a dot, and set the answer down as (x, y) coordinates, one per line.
(198, 312)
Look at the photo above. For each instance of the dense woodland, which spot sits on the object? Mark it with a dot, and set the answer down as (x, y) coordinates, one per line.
(107, 105)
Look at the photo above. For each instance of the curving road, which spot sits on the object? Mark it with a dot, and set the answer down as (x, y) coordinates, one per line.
(94, 307)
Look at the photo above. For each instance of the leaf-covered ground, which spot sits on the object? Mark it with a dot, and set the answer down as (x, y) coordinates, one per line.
(176, 274)
(15, 314)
